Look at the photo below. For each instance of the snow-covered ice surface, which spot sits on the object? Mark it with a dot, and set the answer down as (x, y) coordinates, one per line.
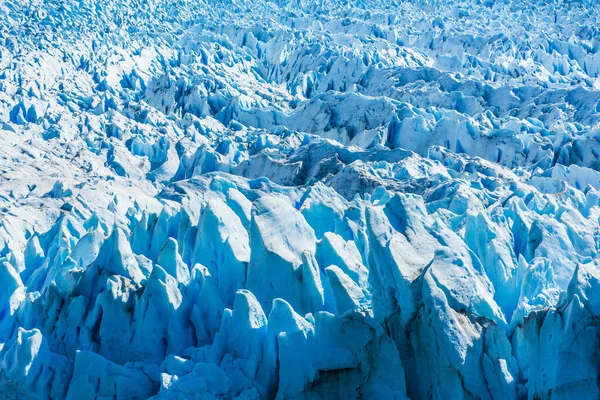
(309, 199)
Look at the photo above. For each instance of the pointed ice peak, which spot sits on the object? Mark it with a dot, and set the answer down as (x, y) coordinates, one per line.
(10, 282)
(58, 191)
(171, 261)
(162, 284)
(115, 257)
(347, 294)
(283, 318)
(332, 249)
(94, 223)
(586, 285)
(247, 312)
(242, 334)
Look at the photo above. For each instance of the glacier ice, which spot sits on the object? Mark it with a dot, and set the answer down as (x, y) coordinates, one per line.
(299, 199)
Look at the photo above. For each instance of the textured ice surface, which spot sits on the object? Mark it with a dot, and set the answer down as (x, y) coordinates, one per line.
(299, 199)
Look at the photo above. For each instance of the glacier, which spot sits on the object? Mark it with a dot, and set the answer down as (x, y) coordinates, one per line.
(299, 199)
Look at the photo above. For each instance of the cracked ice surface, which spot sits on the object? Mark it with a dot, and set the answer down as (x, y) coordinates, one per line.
(299, 199)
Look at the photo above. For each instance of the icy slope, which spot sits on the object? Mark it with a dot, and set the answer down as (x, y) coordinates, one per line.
(299, 200)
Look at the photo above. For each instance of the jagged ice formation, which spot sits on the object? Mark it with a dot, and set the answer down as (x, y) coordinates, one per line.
(299, 199)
